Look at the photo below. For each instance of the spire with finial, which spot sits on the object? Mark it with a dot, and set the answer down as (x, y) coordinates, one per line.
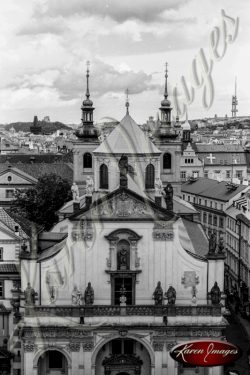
(87, 131)
(127, 102)
(165, 102)
(87, 102)
(234, 100)
(177, 119)
(87, 76)
(166, 82)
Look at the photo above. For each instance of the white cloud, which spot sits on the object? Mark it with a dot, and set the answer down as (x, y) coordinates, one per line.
(118, 10)
(45, 44)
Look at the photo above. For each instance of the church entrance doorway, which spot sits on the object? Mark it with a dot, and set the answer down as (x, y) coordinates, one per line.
(52, 362)
(123, 356)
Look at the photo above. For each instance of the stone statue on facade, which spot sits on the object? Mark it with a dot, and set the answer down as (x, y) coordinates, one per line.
(158, 187)
(123, 166)
(215, 294)
(221, 246)
(123, 259)
(89, 185)
(212, 244)
(76, 296)
(30, 295)
(123, 298)
(89, 295)
(171, 295)
(158, 294)
(75, 192)
(194, 294)
(168, 196)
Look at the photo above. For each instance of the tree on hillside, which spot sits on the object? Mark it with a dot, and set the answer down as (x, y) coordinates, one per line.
(39, 204)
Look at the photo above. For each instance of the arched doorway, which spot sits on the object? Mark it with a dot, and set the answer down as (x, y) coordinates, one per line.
(52, 362)
(123, 356)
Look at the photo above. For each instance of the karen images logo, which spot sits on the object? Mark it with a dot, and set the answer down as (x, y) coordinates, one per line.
(205, 353)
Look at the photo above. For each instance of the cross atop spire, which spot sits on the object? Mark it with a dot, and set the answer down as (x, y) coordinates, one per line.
(166, 82)
(127, 102)
(87, 76)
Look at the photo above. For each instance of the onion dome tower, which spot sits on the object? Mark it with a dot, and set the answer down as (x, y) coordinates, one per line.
(165, 130)
(167, 140)
(87, 132)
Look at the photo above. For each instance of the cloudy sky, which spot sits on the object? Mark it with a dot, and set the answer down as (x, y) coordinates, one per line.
(45, 45)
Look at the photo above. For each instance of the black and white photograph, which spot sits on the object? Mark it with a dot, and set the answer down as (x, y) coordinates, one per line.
(124, 187)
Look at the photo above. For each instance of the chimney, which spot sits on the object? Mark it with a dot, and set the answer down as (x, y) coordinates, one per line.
(17, 230)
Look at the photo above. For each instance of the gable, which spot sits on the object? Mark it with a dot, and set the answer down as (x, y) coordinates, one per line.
(6, 234)
(123, 204)
(18, 177)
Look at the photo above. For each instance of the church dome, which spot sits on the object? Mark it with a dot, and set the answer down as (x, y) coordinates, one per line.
(165, 103)
(87, 103)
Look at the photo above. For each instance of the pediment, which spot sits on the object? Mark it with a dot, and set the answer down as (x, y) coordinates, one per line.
(17, 177)
(125, 205)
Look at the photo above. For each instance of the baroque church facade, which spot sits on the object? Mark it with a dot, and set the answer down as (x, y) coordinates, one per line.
(134, 274)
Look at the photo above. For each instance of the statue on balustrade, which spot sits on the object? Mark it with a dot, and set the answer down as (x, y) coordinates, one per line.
(158, 294)
(221, 246)
(89, 186)
(30, 295)
(89, 295)
(171, 295)
(158, 187)
(215, 294)
(123, 166)
(212, 244)
(75, 192)
(76, 296)
(168, 197)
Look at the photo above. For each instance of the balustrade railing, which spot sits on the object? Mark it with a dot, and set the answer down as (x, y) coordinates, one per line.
(133, 310)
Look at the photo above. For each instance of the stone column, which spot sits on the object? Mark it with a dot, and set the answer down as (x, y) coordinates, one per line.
(112, 255)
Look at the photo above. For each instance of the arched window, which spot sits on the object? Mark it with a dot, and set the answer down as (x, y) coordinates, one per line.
(87, 160)
(150, 177)
(167, 161)
(104, 177)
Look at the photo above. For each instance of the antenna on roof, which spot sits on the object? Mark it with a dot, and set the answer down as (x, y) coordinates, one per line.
(127, 102)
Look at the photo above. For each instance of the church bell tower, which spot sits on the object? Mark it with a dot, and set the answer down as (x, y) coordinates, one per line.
(87, 141)
(166, 138)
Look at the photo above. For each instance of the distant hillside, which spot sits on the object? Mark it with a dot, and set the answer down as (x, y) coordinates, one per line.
(47, 127)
